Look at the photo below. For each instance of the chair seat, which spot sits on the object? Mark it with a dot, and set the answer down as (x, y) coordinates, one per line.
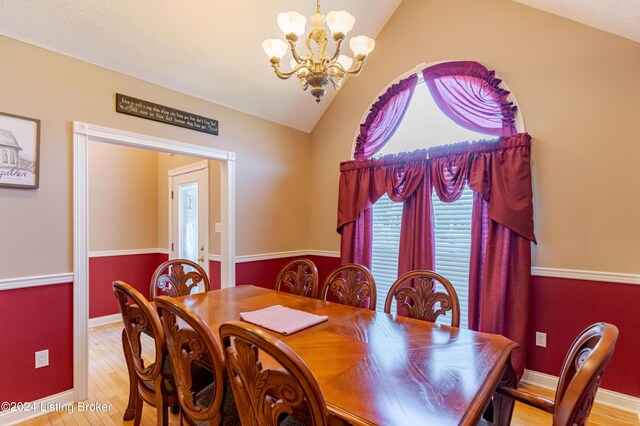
(292, 421)
(229, 411)
(167, 373)
(203, 377)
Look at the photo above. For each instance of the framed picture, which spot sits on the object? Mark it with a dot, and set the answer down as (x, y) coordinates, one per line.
(19, 151)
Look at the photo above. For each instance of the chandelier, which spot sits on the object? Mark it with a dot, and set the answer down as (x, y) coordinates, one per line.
(316, 68)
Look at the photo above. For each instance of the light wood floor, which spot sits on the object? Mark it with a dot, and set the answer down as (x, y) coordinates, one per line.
(109, 384)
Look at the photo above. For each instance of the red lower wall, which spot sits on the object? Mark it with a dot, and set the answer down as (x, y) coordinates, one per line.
(214, 275)
(133, 269)
(34, 319)
(263, 273)
(562, 308)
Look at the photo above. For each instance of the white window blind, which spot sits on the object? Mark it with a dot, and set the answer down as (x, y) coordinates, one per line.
(387, 216)
(452, 229)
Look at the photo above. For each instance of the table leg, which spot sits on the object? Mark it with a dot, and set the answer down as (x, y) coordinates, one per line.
(130, 412)
(503, 405)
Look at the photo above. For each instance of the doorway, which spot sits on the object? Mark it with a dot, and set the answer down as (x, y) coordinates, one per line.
(83, 133)
(189, 214)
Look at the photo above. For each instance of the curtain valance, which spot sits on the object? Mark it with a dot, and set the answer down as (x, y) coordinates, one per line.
(499, 170)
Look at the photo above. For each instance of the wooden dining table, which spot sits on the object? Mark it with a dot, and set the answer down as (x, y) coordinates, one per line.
(376, 368)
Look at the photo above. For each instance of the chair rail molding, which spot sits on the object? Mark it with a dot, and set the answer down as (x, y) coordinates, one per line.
(576, 274)
(128, 252)
(37, 281)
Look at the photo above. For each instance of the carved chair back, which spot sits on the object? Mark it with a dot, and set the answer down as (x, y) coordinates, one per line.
(198, 363)
(300, 276)
(170, 279)
(352, 285)
(266, 396)
(153, 376)
(581, 373)
(416, 296)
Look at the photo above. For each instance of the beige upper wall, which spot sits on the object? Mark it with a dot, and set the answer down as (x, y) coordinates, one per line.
(579, 91)
(271, 170)
(128, 197)
(123, 197)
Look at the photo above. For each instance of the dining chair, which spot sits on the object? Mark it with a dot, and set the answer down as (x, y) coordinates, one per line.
(351, 284)
(416, 297)
(283, 394)
(198, 365)
(170, 279)
(150, 373)
(300, 276)
(579, 378)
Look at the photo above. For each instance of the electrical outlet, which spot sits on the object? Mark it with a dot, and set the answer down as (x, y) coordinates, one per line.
(42, 358)
(541, 339)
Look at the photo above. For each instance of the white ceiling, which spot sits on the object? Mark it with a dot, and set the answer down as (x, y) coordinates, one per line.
(621, 17)
(212, 49)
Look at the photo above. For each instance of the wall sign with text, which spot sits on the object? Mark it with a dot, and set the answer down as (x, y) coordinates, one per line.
(152, 111)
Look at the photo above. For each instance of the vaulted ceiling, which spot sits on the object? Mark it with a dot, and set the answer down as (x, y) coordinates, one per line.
(212, 49)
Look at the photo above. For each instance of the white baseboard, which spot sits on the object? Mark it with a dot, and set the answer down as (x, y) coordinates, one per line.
(603, 396)
(107, 319)
(60, 401)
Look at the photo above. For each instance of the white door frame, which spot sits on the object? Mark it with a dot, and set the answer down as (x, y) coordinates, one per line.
(82, 134)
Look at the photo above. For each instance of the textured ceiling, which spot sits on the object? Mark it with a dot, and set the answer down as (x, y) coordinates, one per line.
(621, 17)
(212, 49)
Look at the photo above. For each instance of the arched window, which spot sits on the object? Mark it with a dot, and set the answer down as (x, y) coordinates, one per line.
(435, 181)
(424, 126)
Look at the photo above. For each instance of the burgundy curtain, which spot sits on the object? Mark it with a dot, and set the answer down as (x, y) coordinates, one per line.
(502, 222)
(499, 276)
(405, 178)
(498, 172)
(501, 229)
(384, 117)
(470, 95)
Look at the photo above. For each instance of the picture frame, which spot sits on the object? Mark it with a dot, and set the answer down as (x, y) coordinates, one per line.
(19, 151)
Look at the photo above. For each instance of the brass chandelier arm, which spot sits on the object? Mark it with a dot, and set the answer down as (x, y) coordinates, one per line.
(353, 71)
(294, 51)
(335, 56)
(284, 74)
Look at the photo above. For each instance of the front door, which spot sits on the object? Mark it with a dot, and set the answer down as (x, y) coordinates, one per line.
(189, 214)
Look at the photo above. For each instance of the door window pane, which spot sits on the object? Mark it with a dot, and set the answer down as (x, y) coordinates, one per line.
(188, 221)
